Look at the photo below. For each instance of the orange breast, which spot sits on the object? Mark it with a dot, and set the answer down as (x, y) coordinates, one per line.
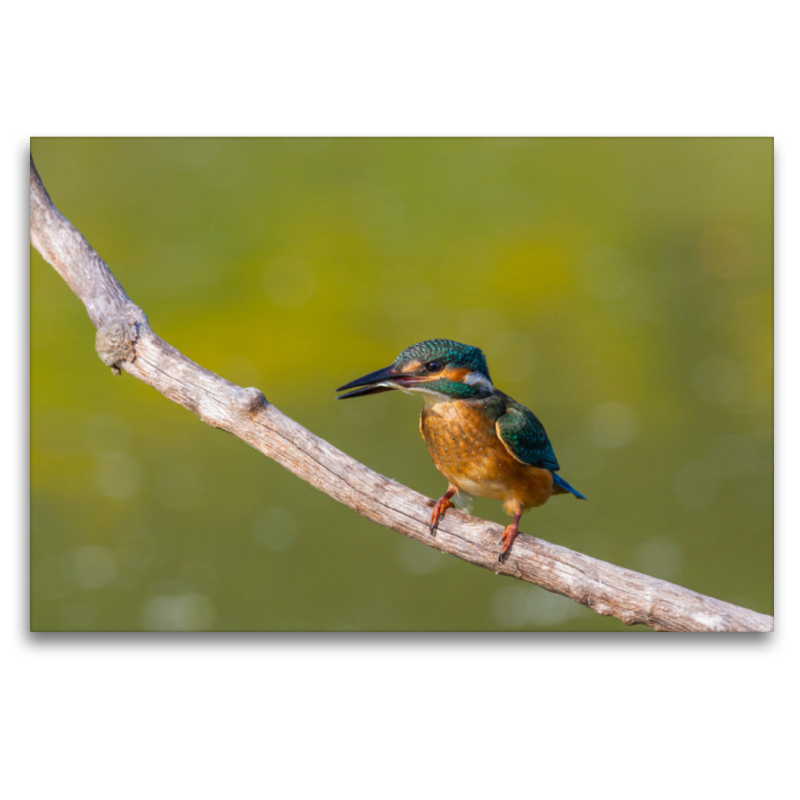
(464, 446)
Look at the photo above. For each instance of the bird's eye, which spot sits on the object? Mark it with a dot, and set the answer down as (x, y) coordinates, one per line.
(434, 366)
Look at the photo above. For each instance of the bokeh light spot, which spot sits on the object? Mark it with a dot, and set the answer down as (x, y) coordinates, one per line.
(660, 557)
(520, 606)
(181, 612)
(118, 475)
(275, 528)
(419, 559)
(93, 566)
(697, 485)
(718, 380)
(612, 424)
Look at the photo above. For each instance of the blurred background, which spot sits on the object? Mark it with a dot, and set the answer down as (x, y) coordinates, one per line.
(620, 288)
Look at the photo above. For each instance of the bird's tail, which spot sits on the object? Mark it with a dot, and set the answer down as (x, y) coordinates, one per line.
(565, 487)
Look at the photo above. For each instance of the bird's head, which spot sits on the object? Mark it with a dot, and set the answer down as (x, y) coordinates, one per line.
(438, 367)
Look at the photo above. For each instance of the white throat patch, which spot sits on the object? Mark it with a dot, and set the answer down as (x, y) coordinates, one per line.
(476, 379)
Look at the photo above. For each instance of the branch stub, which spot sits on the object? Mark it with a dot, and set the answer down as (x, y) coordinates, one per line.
(248, 400)
(115, 341)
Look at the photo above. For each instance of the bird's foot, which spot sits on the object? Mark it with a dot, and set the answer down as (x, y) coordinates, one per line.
(509, 534)
(439, 507)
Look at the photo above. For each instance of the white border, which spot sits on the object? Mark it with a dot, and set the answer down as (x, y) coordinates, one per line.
(391, 716)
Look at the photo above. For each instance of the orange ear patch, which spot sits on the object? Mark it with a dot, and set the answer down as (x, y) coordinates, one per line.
(411, 367)
(456, 375)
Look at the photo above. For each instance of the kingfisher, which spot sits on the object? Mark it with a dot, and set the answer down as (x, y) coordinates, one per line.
(481, 440)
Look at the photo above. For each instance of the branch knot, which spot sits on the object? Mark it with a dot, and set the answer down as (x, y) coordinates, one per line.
(248, 400)
(115, 342)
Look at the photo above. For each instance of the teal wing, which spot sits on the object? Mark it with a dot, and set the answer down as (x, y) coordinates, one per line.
(525, 438)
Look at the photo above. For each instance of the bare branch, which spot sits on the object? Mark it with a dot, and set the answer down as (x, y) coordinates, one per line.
(125, 341)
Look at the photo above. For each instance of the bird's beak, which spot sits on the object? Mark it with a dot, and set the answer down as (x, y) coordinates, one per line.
(383, 380)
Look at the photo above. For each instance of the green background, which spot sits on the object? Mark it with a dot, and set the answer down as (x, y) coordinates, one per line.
(621, 288)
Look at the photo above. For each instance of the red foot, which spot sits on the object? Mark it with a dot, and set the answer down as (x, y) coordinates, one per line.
(439, 507)
(509, 535)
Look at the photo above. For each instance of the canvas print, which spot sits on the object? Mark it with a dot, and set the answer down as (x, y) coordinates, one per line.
(397, 384)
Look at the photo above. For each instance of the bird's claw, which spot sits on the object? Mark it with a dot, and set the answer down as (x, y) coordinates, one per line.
(509, 534)
(438, 510)
(439, 507)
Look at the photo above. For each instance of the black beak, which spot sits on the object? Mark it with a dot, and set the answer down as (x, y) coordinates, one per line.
(383, 380)
(371, 383)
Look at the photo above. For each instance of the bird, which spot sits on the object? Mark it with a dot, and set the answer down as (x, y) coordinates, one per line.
(481, 440)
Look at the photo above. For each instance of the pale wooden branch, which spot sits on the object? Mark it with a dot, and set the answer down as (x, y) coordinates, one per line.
(125, 341)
